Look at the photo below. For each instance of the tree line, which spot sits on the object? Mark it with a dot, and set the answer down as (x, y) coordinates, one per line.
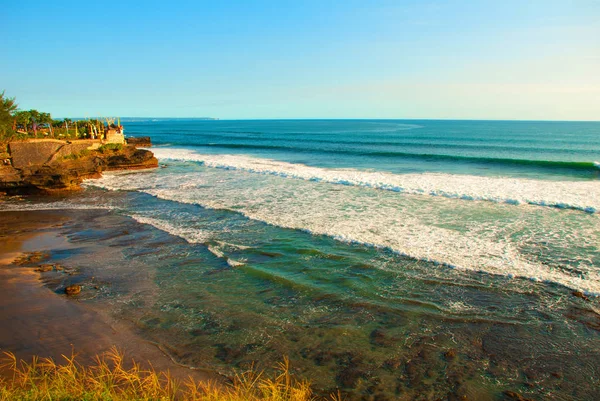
(23, 124)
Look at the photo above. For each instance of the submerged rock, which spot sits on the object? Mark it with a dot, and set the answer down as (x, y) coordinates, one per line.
(581, 295)
(587, 317)
(450, 354)
(44, 268)
(73, 289)
(511, 395)
(381, 338)
(31, 258)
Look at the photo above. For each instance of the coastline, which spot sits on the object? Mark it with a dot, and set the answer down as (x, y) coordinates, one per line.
(48, 323)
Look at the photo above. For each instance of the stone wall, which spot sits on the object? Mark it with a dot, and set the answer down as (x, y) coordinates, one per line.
(39, 151)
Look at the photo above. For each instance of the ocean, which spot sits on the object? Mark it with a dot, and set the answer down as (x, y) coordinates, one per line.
(386, 258)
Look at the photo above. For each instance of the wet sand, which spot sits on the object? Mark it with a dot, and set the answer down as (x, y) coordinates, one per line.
(35, 320)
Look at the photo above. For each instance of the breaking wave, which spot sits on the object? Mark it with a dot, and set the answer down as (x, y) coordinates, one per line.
(578, 195)
(549, 164)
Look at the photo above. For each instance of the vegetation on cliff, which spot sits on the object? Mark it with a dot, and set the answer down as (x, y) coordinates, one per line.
(8, 107)
(18, 124)
(110, 378)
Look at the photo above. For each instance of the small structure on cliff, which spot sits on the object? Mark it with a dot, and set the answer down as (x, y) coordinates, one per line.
(114, 135)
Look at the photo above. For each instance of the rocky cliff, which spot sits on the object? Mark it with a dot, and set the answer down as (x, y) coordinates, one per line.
(67, 172)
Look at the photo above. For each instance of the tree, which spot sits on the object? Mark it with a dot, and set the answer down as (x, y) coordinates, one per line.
(46, 119)
(8, 107)
(22, 119)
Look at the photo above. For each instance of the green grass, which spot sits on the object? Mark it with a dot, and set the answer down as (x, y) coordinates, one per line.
(110, 147)
(109, 379)
(75, 156)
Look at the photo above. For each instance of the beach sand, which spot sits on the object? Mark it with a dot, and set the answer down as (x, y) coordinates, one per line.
(37, 318)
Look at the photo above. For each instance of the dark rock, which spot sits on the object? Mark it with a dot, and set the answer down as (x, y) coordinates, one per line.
(392, 364)
(587, 317)
(131, 158)
(380, 338)
(73, 289)
(349, 376)
(511, 395)
(450, 354)
(323, 358)
(142, 141)
(231, 354)
(59, 174)
(581, 295)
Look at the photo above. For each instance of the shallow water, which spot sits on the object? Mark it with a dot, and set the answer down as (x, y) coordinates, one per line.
(379, 281)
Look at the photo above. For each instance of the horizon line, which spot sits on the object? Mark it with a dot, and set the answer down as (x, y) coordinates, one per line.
(336, 118)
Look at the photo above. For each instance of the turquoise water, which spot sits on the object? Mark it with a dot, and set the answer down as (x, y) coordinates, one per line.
(389, 259)
(515, 148)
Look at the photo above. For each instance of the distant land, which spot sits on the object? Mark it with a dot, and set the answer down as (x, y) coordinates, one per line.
(140, 119)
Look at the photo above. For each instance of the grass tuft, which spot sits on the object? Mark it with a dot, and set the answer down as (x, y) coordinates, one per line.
(110, 147)
(108, 379)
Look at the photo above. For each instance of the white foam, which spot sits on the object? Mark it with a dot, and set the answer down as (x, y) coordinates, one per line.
(218, 252)
(190, 234)
(60, 205)
(580, 195)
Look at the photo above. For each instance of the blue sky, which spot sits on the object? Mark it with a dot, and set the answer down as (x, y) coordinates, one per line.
(304, 59)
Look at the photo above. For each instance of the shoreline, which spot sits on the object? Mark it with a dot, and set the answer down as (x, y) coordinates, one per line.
(47, 324)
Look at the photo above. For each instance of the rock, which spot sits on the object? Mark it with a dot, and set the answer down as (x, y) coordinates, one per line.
(131, 158)
(141, 141)
(450, 354)
(30, 258)
(73, 289)
(44, 268)
(581, 295)
(516, 396)
(67, 172)
(348, 376)
(589, 318)
(392, 364)
(380, 338)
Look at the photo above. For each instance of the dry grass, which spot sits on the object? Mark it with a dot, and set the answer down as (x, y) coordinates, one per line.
(109, 379)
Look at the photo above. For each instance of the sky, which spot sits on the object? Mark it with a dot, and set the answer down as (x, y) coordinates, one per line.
(510, 59)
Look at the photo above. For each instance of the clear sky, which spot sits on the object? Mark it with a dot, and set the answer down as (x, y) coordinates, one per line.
(510, 59)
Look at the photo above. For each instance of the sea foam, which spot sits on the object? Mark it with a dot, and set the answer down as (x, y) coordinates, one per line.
(579, 195)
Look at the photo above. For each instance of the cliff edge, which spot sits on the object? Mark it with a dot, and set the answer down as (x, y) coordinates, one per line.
(43, 167)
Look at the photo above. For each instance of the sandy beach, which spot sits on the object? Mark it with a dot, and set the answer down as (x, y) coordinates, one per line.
(40, 319)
